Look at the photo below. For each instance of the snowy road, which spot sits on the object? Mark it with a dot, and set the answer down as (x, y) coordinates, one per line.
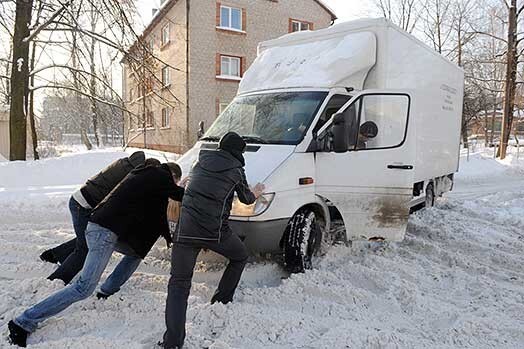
(456, 281)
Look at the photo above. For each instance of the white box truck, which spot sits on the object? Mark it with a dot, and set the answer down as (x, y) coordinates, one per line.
(360, 121)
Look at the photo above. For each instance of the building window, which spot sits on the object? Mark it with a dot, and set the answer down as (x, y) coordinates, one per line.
(222, 107)
(131, 93)
(166, 79)
(297, 26)
(149, 119)
(165, 34)
(230, 66)
(165, 117)
(230, 17)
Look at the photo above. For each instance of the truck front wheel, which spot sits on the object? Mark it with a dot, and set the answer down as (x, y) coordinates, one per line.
(301, 240)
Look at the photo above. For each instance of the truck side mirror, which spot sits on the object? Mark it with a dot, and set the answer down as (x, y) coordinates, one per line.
(340, 136)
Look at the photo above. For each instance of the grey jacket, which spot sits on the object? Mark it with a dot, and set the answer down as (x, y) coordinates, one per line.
(209, 195)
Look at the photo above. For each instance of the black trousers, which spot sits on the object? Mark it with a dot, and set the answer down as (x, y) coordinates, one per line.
(183, 259)
(62, 251)
(75, 261)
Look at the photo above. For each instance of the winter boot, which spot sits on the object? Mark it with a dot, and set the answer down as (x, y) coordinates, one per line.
(100, 295)
(17, 335)
(160, 344)
(48, 256)
(219, 297)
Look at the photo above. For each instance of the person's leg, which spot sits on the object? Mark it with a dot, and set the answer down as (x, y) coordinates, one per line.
(75, 261)
(234, 250)
(101, 242)
(59, 253)
(183, 259)
(120, 275)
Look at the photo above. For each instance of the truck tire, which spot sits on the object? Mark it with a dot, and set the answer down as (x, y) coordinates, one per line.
(430, 196)
(302, 239)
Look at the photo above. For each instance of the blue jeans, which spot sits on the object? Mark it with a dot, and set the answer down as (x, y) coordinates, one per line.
(75, 261)
(120, 275)
(101, 243)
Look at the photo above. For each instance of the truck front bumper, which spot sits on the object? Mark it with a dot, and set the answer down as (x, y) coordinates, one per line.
(260, 236)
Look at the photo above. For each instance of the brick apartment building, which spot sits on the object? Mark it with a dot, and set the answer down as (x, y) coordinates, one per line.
(202, 49)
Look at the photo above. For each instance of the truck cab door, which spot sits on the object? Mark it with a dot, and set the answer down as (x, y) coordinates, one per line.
(364, 165)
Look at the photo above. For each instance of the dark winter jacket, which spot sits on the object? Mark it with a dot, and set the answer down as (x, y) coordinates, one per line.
(209, 195)
(136, 209)
(97, 187)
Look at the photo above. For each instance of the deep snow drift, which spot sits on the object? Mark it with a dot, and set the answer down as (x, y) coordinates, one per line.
(455, 282)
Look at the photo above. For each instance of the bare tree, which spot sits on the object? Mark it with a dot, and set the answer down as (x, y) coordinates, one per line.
(404, 13)
(95, 35)
(20, 81)
(437, 23)
(509, 17)
(511, 75)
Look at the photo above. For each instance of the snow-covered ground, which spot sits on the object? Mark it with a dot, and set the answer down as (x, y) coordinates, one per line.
(456, 281)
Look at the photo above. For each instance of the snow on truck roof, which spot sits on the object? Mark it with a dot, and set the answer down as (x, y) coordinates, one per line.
(320, 58)
(319, 63)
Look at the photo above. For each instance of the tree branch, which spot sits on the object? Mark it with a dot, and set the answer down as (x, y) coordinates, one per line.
(104, 82)
(520, 10)
(39, 28)
(483, 80)
(490, 35)
(64, 87)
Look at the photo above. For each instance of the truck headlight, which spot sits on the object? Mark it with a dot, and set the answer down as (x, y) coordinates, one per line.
(258, 207)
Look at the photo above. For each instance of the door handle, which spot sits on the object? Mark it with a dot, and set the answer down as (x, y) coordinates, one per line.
(401, 167)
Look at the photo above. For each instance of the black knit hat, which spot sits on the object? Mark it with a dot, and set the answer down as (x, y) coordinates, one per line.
(231, 141)
(233, 144)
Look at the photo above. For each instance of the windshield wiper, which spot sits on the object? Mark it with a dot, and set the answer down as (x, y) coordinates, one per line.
(210, 138)
(254, 139)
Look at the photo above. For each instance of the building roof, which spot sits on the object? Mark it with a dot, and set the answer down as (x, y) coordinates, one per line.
(328, 9)
(167, 5)
(157, 17)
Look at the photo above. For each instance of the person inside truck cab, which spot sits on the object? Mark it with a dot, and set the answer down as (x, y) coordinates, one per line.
(367, 131)
(297, 126)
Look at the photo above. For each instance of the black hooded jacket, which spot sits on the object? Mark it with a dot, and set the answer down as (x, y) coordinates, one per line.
(97, 187)
(208, 198)
(136, 210)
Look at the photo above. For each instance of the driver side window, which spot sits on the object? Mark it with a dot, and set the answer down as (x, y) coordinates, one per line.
(335, 103)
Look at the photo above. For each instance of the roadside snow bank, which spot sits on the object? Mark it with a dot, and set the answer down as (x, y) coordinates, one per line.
(482, 165)
(32, 191)
(40, 190)
(71, 169)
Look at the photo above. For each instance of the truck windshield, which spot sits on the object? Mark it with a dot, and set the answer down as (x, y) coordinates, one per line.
(275, 118)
